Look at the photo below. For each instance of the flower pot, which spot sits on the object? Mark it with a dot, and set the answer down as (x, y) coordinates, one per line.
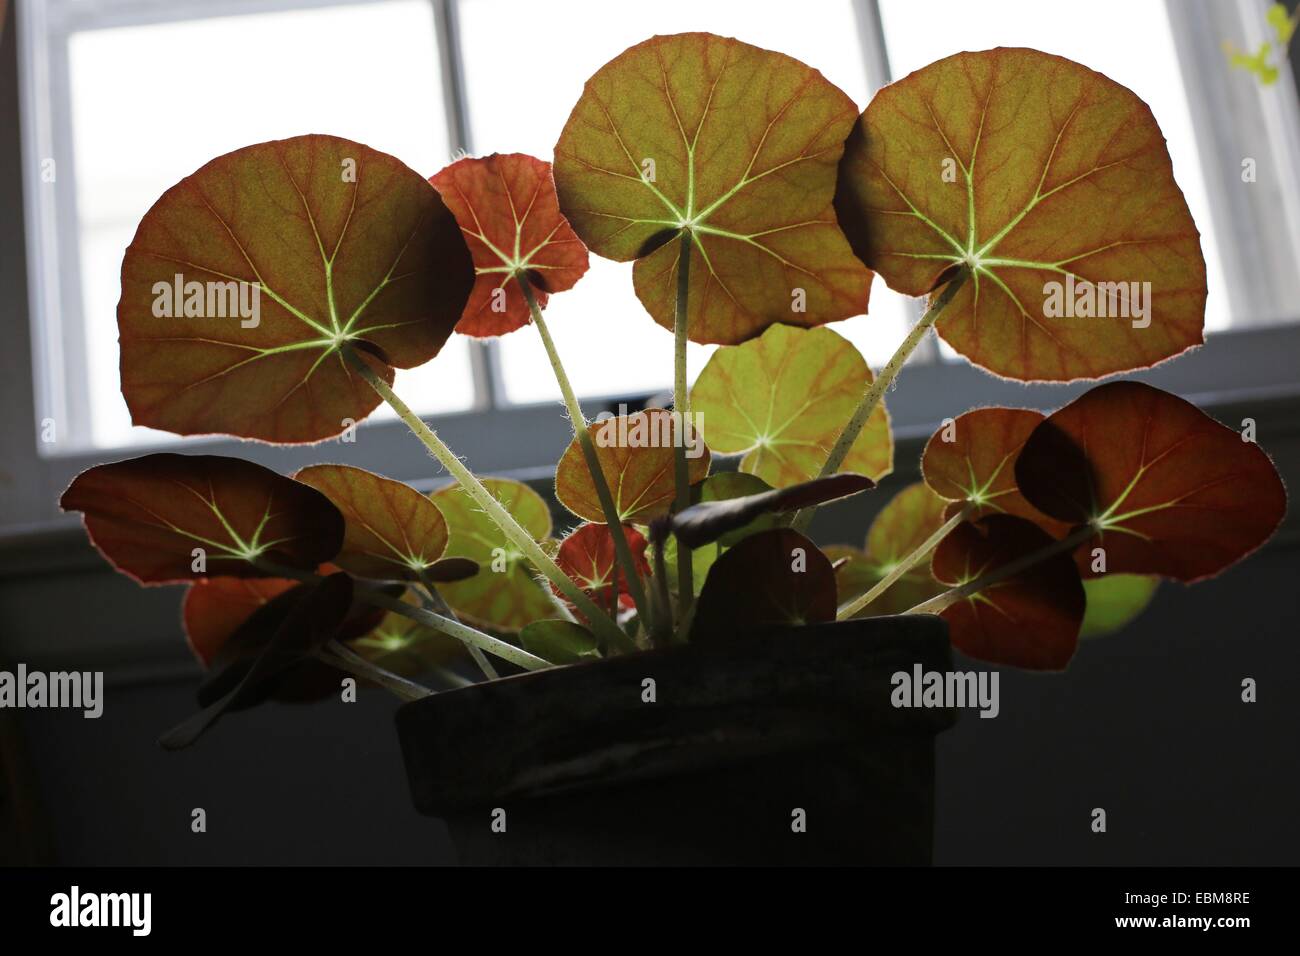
(775, 747)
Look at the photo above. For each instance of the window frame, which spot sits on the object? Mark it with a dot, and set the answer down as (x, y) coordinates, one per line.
(496, 437)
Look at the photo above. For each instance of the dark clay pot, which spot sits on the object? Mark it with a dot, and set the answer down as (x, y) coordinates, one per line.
(742, 733)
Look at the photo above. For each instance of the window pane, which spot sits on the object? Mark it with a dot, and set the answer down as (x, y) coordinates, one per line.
(515, 105)
(1140, 55)
(151, 104)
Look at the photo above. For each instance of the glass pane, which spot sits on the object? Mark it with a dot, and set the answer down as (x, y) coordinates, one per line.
(516, 108)
(151, 104)
(1140, 55)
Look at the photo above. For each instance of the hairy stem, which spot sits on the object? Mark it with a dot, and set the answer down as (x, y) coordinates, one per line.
(600, 622)
(909, 562)
(612, 518)
(681, 406)
(439, 605)
(941, 602)
(344, 658)
(876, 391)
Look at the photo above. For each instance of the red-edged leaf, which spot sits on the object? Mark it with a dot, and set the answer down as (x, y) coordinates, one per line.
(508, 211)
(341, 244)
(214, 608)
(391, 531)
(148, 515)
(1170, 490)
(775, 577)
(1056, 174)
(587, 555)
(739, 146)
(636, 457)
(972, 460)
(1030, 619)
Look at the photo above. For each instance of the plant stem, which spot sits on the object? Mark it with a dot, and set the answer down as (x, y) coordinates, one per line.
(613, 520)
(883, 585)
(518, 536)
(941, 602)
(349, 660)
(681, 406)
(439, 605)
(876, 391)
(452, 628)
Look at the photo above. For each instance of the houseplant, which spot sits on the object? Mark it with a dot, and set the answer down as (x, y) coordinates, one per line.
(690, 694)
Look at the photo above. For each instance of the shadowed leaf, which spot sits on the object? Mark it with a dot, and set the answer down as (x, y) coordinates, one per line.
(148, 515)
(341, 244)
(392, 532)
(507, 209)
(1171, 491)
(783, 399)
(901, 527)
(560, 642)
(736, 143)
(1031, 169)
(406, 647)
(636, 456)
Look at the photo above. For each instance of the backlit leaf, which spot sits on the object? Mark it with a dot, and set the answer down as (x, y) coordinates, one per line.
(1030, 169)
(507, 209)
(636, 456)
(902, 526)
(148, 515)
(391, 530)
(587, 556)
(406, 647)
(772, 578)
(341, 244)
(737, 144)
(560, 642)
(1028, 620)
(1171, 491)
(1114, 600)
(978, 465)
(505, 594)
(782, 400)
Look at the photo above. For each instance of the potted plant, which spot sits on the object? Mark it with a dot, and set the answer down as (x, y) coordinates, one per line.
(683, 676)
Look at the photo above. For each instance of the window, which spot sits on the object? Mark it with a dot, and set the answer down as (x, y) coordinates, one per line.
(122, 98)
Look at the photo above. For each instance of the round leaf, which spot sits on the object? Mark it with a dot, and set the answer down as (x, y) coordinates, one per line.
(337, 242)
(1029, 169)
(508, 211)
(504, 595)
(782, 400)
(737, 145)
(391, 530)
(406, 647)
(148, 516)
(1169, 490)
(587, 555)
(772, 578)
(636, 457)
(1028, 620)
(901, 527)
(1114, 600)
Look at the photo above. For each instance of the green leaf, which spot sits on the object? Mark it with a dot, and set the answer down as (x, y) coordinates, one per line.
(1036, 173)
(782, 400)
(1114, 600)
(1283, 24)
(340, 243)
(560, 642)
(406, 647)
(902, 526)
(739, 146)
(505, 594)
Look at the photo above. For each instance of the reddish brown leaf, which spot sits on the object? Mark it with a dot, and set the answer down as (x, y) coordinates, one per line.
(508, 211)
(214, 608)
(636, 456)
(771, 578)
(341, 244)
(1056, 175)
(736, 145)
(587, 555)
(392, 531)
(148, 515)
(1030, 619)
(973, 461)
(1170, 490)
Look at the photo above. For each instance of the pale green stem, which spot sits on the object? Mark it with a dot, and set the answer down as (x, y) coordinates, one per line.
(941, 602)
(600, 622)
(612, 518)
(871, 398)
(884, 584)
(681, 406)
(345, 658)
(439, 605)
